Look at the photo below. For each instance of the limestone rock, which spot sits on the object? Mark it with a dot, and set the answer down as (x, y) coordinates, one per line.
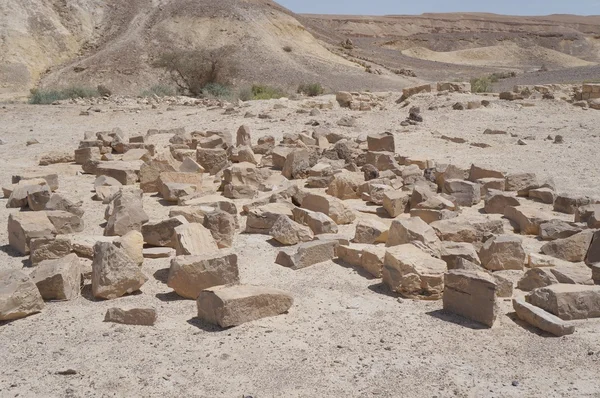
(127, 173)
(573, 249)
(567, 203)
(558, 229)
(477, 173)
(381, 142)
(58, 279)
(455, 231)
(65, 222)
(351, 254)
(541, 319)
(339, 212)
(452, 251)
(23, 227)
(396, 202)
(567, 301)
(345, 185)
(59, 202)
(309, 253)
(127, 215)
(133, 245)
(405, 231)
(48, 249)
(261, 219)
(466, 193)
(544, 195)
(19, 296)
(370, 231)
(222, 226)
(372, 260)
(413, 273)
(194, 239)
(189, 275)
(229, 306)
(527, 219)
(134, 316)
(161, 233)
(114, 273)
(503, 252)
(288, 232)
(471, 294)
(496, 202)
(297, 165)
(212, 160)
(522, 183)
(318, 222)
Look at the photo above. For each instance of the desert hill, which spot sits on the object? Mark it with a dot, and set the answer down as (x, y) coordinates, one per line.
(57, 43)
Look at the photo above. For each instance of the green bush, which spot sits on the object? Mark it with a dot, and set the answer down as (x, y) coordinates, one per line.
(481, 85)
(246, 94)
(311, 89)
(263, 92)
(49, 96)
(159, 90)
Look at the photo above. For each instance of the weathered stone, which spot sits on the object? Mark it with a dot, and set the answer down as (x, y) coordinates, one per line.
(332, 207)
(297, 165)
(345, 185)
(452, 251)
(288, 232)
(413, 273)
(372, 259)
(48, 249)
(136, 154)
(134, 316)
(212, 160)
(381, 142)
(496, 202)
(162, 233)
(466, 193)
(491, 184)
(149, 172)
(430, 216)
(503, 252)
(37, 198)
(573, 248)
(242, 180)
(526, 219)
(370, 231)
(309, 253)
(558, 229)
(477, 173)
(535, 278)
(222, 226)
(351, 254)
(568, 301)
(403, 231)
(58, 279)
(23, 227)
(544, 195)
(127, 214)
(194, 239)
(455, 231)
(261, 219)
(188, 165)
(84, 155)
(318, 222)
(133, 245)
(51, 179)
(21, 192)
(522, 183)
(19, 296)
(228, 306)
(114, 273)
(471, 294)
(158, 252)
(59, 202)
(541, 319)
(396, 202)
(127, 173)
(83, 245)
(589, 214)
(189, 275)
(65, 222)
(567, 203)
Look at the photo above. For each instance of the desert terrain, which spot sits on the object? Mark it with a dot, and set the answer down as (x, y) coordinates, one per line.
(348, 333)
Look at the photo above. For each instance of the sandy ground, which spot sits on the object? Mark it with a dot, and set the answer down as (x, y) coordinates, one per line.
(345, 336)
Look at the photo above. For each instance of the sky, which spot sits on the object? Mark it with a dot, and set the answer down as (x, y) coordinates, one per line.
(386, 7)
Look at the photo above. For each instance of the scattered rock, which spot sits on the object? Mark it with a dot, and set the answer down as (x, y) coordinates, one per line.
(189, 275)
(134, 316)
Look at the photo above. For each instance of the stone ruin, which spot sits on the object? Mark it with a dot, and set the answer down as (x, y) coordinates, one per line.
(428, 231)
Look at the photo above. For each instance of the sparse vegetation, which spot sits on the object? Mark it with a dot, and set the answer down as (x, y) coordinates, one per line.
(311, 89)
(49, 96)
(287, 49)
(160, 90)
(264, 92)
(481, 85)
(216, 90)
(192, 71)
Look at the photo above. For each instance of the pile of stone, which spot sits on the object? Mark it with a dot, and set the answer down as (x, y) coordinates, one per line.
(428, 231)
(357, 101)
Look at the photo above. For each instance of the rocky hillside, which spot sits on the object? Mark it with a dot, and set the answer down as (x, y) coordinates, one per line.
(114, 43)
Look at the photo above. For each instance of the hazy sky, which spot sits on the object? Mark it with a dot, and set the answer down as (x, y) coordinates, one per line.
(383, 7)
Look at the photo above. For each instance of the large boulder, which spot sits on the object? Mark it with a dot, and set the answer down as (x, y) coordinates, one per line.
(19, 296)
(194, 239)
(471, 294)
(58, 279)
(370, 231)
(228, 306)
(127, 214)
(222, 226)
(23, 227)
(396, 202)
(318, 222)
(261, 219)
(48, 249)
(133, 245)
(466, 193)
(339, 212)
(162, 233)
(127, 173)
(114, 273)
(541, 319)
(496, 202)
(568, 301)
(189, 275)
(403, 231)
(527, 220)
(413, 273)
(573, 248)
(65, 222)
(307, 254)
(503, 252)
(381, 142)
(288, 232)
